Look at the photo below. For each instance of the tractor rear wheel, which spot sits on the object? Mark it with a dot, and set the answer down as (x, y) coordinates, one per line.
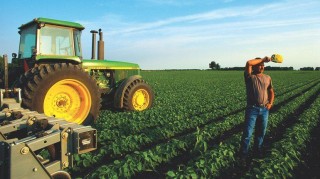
(138, 96)
(61, 90)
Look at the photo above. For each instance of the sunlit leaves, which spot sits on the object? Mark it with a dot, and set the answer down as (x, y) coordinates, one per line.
(197, 116)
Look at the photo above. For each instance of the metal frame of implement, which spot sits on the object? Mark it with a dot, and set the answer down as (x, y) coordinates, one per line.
(23, 133)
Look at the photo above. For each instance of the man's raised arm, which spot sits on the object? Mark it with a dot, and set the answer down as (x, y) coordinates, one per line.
(253, 62)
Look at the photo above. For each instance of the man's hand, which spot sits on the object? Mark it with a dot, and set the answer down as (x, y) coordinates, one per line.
(268, 106)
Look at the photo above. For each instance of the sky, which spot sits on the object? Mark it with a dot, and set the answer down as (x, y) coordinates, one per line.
(181, 34)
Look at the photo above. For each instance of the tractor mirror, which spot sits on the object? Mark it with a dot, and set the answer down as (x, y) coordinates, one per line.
(14, 55)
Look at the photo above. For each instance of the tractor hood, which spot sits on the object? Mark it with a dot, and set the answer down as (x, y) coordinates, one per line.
(108, 64)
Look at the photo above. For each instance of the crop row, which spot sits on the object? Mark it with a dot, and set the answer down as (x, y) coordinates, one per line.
(134, 142)
(215, 162)
(175, 107)
(125, 171)
(286, 153)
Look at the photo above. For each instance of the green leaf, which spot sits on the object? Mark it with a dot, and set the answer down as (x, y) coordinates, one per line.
(86, 163)
(171, 174)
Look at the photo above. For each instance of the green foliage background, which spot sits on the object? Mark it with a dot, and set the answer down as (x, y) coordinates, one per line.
(194, 128)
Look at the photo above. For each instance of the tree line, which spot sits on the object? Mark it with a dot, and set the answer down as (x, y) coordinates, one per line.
(215, 66)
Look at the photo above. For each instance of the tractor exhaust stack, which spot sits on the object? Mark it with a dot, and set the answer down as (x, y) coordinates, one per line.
(100, 46)
(6, 78)
(93, 53)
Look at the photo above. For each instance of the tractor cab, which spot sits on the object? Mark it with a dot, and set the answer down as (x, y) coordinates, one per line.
(48, 39)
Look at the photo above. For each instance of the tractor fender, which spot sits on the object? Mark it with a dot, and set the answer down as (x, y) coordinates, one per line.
(118, 97)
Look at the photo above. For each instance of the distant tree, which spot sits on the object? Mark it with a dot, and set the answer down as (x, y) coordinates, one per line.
(278, 68)
(268, 68)
(317, 69)
(307, 69)
(214, 66)
(218, 66)
(234, 68)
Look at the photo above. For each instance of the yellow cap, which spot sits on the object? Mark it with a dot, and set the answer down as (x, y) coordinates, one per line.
(277, 58)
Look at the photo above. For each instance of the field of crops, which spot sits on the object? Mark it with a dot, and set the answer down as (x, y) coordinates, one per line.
(194, 130)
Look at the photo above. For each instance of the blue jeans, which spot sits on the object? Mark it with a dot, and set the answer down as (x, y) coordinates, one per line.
(256, 118)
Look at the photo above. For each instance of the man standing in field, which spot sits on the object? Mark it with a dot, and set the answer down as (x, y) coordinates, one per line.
(260, 97)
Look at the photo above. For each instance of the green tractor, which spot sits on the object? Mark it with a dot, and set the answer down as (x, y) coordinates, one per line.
(58, 82)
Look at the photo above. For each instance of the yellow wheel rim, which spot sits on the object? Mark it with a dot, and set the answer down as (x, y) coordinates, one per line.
(68, 99)
(140, 100)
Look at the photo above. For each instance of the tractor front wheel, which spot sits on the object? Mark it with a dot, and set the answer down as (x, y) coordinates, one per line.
(138, 96)
(63, 91)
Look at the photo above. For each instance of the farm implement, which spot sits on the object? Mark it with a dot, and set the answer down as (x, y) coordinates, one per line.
(33, 145)
(50, 93)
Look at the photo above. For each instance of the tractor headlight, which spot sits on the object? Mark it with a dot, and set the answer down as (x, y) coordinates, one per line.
(85, 140)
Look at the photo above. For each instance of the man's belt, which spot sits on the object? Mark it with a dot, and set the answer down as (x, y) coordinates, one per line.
(258, 105)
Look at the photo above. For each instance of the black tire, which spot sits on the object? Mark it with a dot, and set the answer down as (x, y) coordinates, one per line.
(71, 91)
(61, 175)
(143, 90)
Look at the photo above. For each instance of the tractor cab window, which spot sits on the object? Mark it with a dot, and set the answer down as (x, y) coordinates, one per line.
(77, 43)
(55, 40)
(27, 42)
